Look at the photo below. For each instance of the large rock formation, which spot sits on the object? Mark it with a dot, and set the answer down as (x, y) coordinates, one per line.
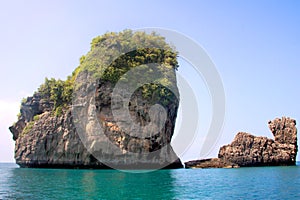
(248, 150)
(53, 131)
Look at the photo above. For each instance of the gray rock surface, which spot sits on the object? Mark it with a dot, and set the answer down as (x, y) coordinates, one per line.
(53, 141)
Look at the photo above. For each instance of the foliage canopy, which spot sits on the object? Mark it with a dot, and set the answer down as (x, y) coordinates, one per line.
(105, 51)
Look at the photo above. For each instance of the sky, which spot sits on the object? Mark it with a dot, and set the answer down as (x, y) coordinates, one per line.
(254, 45)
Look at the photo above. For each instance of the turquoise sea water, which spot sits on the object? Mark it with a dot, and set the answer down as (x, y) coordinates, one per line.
(243, 183)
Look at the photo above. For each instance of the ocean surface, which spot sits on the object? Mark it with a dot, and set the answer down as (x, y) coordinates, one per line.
(243, 183)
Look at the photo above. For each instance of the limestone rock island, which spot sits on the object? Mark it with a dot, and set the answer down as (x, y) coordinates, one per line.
(46, 134)
(248, 150)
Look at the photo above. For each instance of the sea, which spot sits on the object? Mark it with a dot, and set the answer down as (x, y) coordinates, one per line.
(242, 183)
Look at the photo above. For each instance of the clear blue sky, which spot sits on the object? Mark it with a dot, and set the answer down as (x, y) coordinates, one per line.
(255, 46)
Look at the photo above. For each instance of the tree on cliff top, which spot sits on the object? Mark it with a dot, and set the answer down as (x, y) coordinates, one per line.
(103, 50)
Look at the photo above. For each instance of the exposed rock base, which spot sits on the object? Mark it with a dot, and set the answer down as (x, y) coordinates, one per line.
(210, 163)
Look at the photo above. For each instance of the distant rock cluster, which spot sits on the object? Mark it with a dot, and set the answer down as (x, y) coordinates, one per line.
(248, 150)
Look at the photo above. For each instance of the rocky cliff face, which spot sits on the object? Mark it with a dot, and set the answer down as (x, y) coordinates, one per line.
(137, 145)
(44, 139)
(249, 150)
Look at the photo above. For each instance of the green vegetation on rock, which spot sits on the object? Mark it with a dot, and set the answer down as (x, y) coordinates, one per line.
(27, 128)
(107, 61)
(103, 62)
(57, 91)
(36, 117)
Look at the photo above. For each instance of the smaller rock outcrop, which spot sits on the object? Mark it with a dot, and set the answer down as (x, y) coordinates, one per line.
(248, 150)
(210, 163)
